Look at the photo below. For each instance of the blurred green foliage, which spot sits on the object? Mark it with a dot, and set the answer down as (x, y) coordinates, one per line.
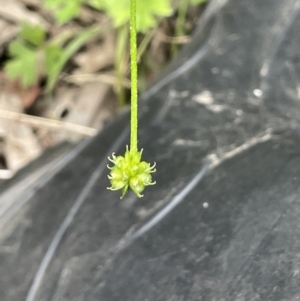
(33, 56)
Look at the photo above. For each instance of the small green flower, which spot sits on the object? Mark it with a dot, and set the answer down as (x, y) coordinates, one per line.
(130, 171)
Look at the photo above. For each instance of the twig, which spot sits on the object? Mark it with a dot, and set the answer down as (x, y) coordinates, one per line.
(6, 174)
(50, 123)
(173, 40)
(85, 78)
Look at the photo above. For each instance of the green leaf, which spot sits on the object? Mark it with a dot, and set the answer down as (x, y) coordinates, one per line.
(33, 34)
(23, 65)
(64, 10)
(147, 11)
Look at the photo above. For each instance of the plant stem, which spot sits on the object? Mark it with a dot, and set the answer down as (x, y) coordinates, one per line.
(121, 46)
(182, 12)
(180, 22)
(134, 87)
(145, 42)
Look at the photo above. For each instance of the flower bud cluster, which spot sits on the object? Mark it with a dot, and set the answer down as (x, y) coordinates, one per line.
(130, 171)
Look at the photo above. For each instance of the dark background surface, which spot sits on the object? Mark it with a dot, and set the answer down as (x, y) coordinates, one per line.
(222, 222)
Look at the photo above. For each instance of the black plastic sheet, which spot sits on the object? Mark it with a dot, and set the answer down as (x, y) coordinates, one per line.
(222, 222)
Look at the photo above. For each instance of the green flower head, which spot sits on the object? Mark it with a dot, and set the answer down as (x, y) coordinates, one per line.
(130, 171)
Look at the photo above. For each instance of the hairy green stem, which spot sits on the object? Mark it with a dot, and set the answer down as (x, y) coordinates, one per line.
(134, 86)
(129, 171)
